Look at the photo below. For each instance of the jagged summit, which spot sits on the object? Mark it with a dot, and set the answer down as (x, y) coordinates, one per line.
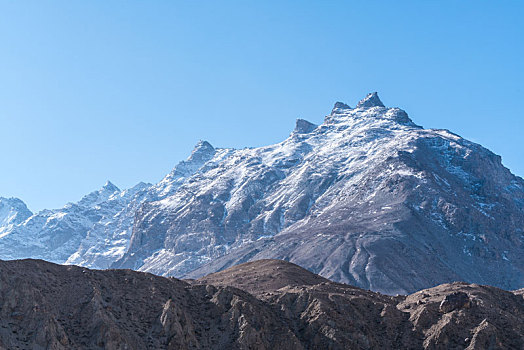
(339, 107)
(202, 150)
(110, 187)
(12, 211)
(304, 127)
(203, 146)
(371, 100)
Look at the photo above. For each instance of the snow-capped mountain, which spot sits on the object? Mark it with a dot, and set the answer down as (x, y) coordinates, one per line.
(55, 234)
(93, 232)
(367, 197)
(108, 239)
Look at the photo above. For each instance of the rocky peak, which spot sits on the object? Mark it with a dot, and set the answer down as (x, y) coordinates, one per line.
(13, 211)
(203, 151)
(339, 107)
(110, 187)
(96, 197)
(304, 127)
(371, 100)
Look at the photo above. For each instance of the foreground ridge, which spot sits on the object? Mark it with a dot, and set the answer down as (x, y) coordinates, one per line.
(264, 304)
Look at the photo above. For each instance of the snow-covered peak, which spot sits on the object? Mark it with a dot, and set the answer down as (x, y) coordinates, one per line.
(100, 195)
(13, 211)
(371, 100)
(365, 115)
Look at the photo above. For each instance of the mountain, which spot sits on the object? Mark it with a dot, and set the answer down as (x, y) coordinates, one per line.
(268, 305)
(55, 235)
(93, 232)
(367, 198)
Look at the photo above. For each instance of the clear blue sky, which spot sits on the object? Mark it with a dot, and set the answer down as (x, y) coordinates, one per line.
(122, 90)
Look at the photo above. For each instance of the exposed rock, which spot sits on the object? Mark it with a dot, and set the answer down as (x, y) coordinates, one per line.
(493, 320)
(339, 107)
(304, 127)
(371, 100)
(454, 301)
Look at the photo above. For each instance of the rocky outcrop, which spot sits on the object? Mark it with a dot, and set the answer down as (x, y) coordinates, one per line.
(267, 304)
(466, 316)
(371, 100)
(454, 301)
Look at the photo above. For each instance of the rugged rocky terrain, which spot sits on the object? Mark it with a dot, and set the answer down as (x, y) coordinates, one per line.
(266, 304)
(367, 198)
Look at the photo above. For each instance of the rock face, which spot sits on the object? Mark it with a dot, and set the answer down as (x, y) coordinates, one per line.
(266, 304)
(371, 100)
(367, 198)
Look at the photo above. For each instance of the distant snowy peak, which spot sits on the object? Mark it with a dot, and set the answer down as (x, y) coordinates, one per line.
(99, 196)
(13, 211)
(89, 232)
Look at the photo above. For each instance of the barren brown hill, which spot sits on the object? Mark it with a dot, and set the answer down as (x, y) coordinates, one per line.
(281, 306)
(263, 275)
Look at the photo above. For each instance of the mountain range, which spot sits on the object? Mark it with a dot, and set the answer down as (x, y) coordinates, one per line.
(367, 198)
